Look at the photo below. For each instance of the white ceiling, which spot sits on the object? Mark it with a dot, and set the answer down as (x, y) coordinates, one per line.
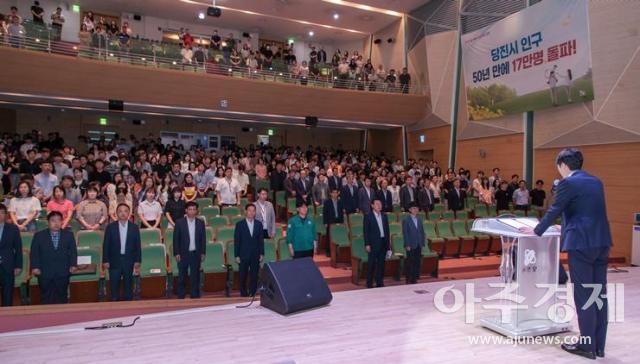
(274, 25)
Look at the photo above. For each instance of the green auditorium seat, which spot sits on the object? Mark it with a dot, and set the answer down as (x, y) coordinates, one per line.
(203, 203)
(467, 240)
(90, 239)
(356, 219)
(339, 244)
(448, 215)
(395, 229)
(231, 211)
(436, 242)
(41, 224)
(233, 220)
(291, 206)
(225, 234)
(393, 218)
(270, 251)
(153, 272)
(283, 249)
(150, 237)
(438, 207)
(359, 257)
(452, 242)
(281, 200)
(85, 287)
(214, 275)
(20, 281)
(218, 221)
(481, 211)
(210, 211)
(483, 242)
(435, 215)
(26, 239)
(462, 215)
(210, 233)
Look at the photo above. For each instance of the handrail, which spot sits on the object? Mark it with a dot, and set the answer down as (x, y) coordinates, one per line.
(104, 51)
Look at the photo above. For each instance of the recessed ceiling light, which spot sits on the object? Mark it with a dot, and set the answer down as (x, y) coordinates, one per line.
(311, 33)
(201, 15)
(336, 16)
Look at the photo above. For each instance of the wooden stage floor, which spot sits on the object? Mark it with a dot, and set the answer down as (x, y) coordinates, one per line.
(388, 325)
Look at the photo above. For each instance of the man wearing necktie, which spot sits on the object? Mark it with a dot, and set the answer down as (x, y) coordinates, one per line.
(426, 199)
(54, 258)
(377, 243)
(365, 196)
(456, 197)
(189, 249)
(413, 234)
(332, 213)
(248, 244)
(303, 188)
(121, 253)
(10, 256)
(384, 195)
(407, 194)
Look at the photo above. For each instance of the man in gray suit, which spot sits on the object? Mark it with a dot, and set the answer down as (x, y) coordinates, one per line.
(413, 234)
(365, 196)
(266, 214)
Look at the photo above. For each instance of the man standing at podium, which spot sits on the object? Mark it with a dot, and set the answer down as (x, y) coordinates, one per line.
(587, 239)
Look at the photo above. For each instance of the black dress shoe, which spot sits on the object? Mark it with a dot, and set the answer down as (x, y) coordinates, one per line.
(574, 349)
(600, 353)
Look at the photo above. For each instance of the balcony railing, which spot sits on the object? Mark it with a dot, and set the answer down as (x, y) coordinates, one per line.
(156, 55)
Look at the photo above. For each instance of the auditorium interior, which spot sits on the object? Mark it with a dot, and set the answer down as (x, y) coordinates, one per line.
(297, 99)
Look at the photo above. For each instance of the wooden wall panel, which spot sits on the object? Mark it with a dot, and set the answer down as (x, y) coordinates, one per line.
(615, 164)
(436, 139)
(504, 152)
(41, 73)
(71, 124)
(388, 142)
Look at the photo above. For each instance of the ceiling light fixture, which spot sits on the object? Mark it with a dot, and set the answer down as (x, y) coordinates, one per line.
(311, 33)
(248, 12)
(201, 15)
(336, 16)
(364, 7)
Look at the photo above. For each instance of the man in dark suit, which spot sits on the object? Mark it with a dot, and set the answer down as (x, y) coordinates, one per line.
(408, 194)
(289, 184)
(248, 244)
(377, 243)
(456, 197)
(365, 196)
(349, 196)
(277, 178)
(10, 256)
(121, 253)
(189, 248)
(384, 196)
(426, 199)
(335, 181)
(586, 237)
(413, 234)
(54, 258)
(303, 188)
(332, 213)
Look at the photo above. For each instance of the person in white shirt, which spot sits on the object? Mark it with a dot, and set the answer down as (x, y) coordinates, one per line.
(243, 180)
(24, 208)
(150, 211)
(228, 190)
(265, 213)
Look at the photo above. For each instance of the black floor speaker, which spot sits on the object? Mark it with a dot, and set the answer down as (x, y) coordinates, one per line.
(293, 285)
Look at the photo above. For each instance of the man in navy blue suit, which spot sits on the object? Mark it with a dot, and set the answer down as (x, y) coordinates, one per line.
(332, 213)
(10, 256)
(349, 196)
(413, 234)
(377, 242)
(587, 239)
(54, 257)
(248, 244)
(189, 248)
(121, 253)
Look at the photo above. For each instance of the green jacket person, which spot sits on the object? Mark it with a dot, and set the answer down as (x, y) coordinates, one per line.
(301, 234)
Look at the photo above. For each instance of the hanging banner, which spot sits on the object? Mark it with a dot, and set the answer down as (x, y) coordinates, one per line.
(537, 58)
